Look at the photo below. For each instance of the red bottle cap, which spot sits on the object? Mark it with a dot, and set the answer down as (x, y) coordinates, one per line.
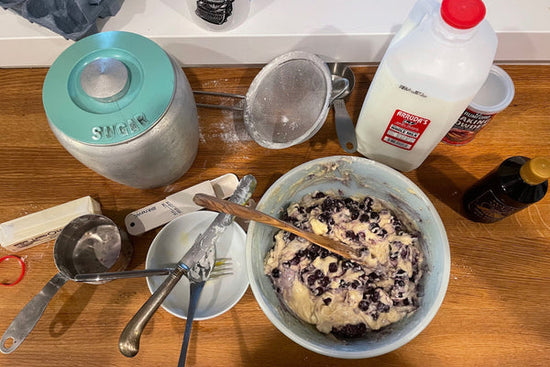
(463, 14)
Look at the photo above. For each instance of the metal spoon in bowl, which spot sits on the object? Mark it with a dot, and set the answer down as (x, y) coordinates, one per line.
(89, 243)
(344, 125)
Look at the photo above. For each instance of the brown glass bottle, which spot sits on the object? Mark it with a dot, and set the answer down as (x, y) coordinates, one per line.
(517, 183)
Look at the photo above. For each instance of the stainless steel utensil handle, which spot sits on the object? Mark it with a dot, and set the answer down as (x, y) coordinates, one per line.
(27, 318)
(99, 277)
(194, 295)
(220, 94)
(344, 127)
(128, 343)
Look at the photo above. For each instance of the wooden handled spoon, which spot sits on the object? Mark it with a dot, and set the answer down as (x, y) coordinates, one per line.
(227, 207)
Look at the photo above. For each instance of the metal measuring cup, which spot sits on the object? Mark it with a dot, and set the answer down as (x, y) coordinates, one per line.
(89, 243)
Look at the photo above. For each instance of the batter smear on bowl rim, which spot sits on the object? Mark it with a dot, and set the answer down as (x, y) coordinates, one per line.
(338, 295)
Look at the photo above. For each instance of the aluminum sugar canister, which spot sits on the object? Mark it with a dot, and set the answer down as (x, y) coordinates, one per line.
(124, 108)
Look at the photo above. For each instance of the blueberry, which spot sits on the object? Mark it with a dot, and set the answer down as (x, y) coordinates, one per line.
(295, 260)
(325, 281)
(327, 301)
(332, 267)
(354, 214)
(314, 248)
(350, 203)
(368, 201)
(382, 307)
(382, 232)
(319, 195)
(328, 205)
(364, 218)
(318, 291)
(275, 273)
(406, 302)
(351, 235)
(374, 316)
(400, 283)
(324, 217)
(363, 305)
(339, 204)
(346, 264)
(312, 254)
(374, 227)
(350, 331)
(374, 216)
(373, 276)
(405, 252)
(355, 284)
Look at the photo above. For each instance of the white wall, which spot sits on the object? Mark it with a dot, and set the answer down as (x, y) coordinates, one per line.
(354, 31)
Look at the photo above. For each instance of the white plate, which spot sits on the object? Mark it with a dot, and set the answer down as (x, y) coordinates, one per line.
(171, 243)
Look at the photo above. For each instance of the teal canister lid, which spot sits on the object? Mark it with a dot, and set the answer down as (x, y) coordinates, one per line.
(108, 88)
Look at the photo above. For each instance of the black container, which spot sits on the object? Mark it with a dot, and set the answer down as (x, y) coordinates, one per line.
(517, 183)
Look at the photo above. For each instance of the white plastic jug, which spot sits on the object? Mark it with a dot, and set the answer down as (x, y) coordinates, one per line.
(431, 71)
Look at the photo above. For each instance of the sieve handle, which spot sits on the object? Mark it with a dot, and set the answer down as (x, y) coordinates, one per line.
(220, 94)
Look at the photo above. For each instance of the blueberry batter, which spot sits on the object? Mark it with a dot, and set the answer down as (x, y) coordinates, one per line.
(338, 295)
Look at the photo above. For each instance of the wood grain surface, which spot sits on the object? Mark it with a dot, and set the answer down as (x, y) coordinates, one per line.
(496, 311)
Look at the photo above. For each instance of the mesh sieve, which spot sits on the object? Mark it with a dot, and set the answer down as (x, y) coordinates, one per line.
(287, 102)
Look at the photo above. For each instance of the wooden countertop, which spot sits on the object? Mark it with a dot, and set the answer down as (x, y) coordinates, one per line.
(497, 307)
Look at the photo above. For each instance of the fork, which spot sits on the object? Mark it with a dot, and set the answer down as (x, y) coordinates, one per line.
(222, 267)
(195, 290)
